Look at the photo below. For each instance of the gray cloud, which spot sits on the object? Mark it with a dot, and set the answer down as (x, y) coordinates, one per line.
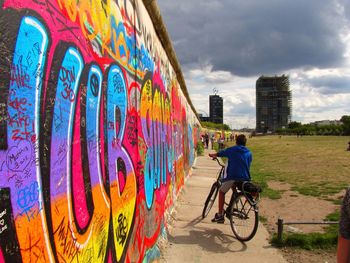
(330, 84)
(238, 108)
(253, 37)
(346, 5)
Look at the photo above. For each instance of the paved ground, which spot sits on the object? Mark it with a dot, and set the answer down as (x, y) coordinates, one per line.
(192, 239)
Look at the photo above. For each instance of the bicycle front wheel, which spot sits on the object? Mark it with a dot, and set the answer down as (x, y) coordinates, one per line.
(244, 218)
(210, 199)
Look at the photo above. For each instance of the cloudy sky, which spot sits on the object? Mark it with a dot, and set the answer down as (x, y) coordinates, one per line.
(227, 45)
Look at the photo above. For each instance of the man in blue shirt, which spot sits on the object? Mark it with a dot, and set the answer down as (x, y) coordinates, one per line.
(237, 170)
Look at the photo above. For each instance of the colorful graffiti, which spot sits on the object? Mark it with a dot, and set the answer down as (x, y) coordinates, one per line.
(96, 136)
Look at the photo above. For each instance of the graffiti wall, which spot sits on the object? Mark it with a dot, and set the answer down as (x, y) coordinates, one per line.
(96, 135)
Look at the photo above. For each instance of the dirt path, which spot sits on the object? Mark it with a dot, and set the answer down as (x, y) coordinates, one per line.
(296, 207)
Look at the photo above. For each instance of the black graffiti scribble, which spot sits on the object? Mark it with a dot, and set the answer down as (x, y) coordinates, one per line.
(118, 120)
(58, 118)
(91, 145)
(19, 181)
(8, 236)
(57, 16)
(18, 157)
(66, 240)
(140, 179)
(94, 85)
(132, 130)
(33, 247)
(122, 229)
(118, 84)
(61, 153)
(87, 255)
(102, 236)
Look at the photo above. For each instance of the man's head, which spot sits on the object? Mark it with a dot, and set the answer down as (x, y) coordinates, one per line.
(241, 140)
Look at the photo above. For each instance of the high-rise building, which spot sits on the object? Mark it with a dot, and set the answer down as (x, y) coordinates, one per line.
(273, 103)
(216, 109)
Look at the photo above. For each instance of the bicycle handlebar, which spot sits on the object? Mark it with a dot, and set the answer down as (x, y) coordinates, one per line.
(216, 159)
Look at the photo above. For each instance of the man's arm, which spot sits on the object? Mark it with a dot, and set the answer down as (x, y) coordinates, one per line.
(213, 155)
(343, 253)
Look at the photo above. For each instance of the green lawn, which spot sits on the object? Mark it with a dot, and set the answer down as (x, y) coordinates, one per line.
(313, 165)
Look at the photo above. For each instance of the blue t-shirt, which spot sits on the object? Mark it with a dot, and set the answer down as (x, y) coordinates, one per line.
(239, 160)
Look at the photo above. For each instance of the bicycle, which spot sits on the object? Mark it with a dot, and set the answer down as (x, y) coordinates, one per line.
(242, 209)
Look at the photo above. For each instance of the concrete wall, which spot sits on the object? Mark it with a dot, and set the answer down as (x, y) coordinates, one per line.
(96, 133)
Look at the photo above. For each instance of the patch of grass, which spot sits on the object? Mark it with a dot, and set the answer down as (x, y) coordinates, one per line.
(307, 190)
(333, 216)
(333, 200)
(322, 189)
(199, 148)
(337, 202)
(262, 219)
(313, 165)
(307, 241)
(216, 146)
(334, 229)
(261, 179)
(272, 194)
(312, 241)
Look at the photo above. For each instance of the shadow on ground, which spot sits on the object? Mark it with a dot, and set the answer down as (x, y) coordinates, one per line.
(211, 240)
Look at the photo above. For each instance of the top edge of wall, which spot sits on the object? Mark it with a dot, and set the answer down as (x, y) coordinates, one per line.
(156, 17)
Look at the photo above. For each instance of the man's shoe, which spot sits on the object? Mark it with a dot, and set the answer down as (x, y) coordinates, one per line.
(220, 219)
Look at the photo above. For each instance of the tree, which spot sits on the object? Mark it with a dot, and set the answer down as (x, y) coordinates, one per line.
(218, 126)
(294, 125)
(346, 124)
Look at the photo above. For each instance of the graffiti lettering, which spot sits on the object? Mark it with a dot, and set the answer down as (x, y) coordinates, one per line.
(67, 76)
(3, 226)
(19, 76)
(28, 200)
(122, 230)
(156, 129)
(18, 105)
(68, 245)
(88, 132)
(132, 131)
(19, 156)
(94, 80)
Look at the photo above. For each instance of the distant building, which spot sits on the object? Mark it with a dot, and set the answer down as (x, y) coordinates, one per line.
(273, 103)
(216, 109)
(327, 122)
(203, 118)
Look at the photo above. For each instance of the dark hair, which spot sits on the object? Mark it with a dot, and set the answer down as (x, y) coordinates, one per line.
(241, 140)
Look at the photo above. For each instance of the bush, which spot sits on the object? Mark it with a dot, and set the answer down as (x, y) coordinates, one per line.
(200, 148)
(216, 147)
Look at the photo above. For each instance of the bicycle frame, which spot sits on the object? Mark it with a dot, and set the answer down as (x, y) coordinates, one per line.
(242, 208)
(221, 173)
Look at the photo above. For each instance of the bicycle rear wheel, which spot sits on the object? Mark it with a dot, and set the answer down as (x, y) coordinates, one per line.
(210, 199)
(244, 218)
